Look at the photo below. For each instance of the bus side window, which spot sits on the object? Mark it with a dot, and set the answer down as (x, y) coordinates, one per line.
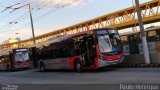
(77, 48)
(60, 52)
(56, 53)
(70, 47)
(151, 36)
(52, 55)
(43, 55)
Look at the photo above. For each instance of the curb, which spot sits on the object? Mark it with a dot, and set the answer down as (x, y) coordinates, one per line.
(135, 66)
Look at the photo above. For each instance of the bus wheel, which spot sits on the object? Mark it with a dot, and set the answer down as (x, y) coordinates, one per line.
(42, 67)
(78, 66)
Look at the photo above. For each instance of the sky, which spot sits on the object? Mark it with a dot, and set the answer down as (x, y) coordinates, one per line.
(50, 15)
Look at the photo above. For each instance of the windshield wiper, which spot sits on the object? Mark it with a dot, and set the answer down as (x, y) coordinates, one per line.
(101, 47)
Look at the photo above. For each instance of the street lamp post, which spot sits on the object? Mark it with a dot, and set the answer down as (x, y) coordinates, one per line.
(143, 36)
(30, 13)
(17, 35)
(17, 39)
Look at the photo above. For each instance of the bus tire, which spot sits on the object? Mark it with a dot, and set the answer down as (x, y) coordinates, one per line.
(42, 67)
(77, 66)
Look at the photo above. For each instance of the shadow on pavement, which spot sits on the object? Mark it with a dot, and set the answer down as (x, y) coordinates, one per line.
(83, 71)
(16, 70)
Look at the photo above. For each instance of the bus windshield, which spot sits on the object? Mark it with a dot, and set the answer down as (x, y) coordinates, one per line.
(21, 56)
(109, 43)
(104, 43)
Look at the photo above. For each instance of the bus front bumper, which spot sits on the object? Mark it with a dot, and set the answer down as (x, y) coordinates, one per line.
(21, 66)
(103, 63)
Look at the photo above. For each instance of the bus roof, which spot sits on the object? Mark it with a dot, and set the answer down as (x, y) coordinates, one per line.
(50, 40)
(85, 32)
(63, 37)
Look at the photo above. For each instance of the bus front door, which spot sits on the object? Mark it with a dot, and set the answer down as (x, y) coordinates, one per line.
(11, 61)
(34, 57)
(88, 52)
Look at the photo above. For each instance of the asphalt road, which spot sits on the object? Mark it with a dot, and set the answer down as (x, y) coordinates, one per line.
(109, 76)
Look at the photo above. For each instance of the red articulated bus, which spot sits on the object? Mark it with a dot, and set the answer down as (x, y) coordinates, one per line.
(85, 50)
(14, 59)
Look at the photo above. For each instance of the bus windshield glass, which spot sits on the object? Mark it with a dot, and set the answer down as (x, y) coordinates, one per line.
(21, 56)
(109, 42)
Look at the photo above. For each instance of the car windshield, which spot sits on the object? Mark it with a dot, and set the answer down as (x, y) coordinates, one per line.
(21, 56)
(109, 43)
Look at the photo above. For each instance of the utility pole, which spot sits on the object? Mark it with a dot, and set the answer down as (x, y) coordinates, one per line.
(17, 39)
(17, 35)
(30, 11)
(143, 36)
